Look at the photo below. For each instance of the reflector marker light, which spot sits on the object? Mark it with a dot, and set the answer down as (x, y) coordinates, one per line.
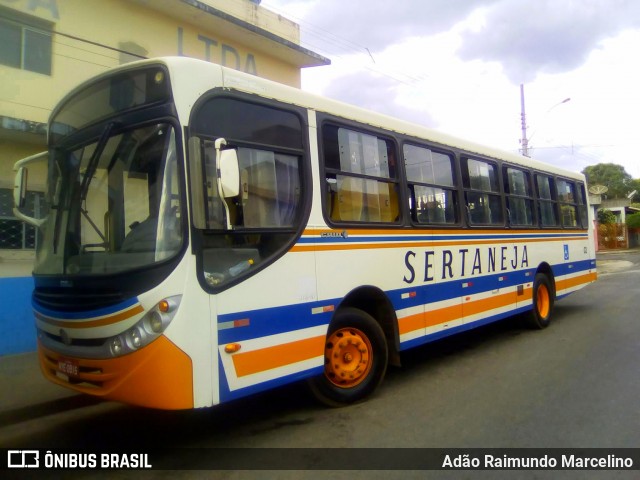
(163, 306)
(325, 309)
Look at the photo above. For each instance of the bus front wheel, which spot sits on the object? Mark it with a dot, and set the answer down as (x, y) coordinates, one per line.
(355, 357)
(543, 300)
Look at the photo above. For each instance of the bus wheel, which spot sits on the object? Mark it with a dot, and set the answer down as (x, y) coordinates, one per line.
(355, 357)
(543, 299)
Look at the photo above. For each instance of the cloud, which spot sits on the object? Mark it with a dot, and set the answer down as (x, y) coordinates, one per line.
(377, 93)
(363, 24)
(546, 36)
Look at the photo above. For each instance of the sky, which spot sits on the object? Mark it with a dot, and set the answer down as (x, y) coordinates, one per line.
(457, 66)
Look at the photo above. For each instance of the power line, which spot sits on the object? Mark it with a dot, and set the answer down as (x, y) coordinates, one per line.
(345, 47)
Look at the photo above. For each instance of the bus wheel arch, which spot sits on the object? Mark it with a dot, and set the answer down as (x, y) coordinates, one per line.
(355, 359)
(375, 302)
(543, 298)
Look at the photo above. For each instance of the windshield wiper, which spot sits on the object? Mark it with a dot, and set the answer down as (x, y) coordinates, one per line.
(92, 166)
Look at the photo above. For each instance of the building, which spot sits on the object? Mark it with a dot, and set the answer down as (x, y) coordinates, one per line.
(617, 235)
(47, 47)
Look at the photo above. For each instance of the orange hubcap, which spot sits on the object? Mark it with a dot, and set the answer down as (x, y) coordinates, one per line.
(348, 357)
(542, 301)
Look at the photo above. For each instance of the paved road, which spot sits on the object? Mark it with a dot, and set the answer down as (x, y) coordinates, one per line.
(575, 384)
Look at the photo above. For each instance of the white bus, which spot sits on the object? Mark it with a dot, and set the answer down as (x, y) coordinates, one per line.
(210, 234)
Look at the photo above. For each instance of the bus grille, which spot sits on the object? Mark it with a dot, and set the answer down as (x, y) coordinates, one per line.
(74, 301)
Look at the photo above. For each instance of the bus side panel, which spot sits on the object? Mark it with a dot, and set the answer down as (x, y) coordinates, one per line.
(277, 325)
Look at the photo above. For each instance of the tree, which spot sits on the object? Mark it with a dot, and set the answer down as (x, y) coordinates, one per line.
(612, 176)
(633, 220)
(635, 185)
(606, 217)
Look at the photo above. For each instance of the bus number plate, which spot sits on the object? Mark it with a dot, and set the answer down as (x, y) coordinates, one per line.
(68, 367)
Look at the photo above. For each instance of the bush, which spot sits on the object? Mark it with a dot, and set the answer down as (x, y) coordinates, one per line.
(633, 220)
(606, 217)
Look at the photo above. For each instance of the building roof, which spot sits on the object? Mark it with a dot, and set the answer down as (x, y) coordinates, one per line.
(204, 14)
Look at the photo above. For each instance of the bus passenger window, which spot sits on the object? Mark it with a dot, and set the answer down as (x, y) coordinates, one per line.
(519, 199)
(482, 193)
(546, 201)
(568, 204)
(431, 185)
(360, 175)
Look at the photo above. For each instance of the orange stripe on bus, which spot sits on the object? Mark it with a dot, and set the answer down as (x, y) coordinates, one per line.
(443, 315)
(363, 231)
(136, 309)
(411, 323)
(430, 318)
(486, 304)
(439, 316)
(426, 243)
(575, 281)
(257, 361)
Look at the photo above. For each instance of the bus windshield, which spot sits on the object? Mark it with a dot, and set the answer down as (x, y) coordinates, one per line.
(114, 203)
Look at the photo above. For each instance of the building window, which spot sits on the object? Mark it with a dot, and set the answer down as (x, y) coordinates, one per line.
(15, 234)
(25, 45)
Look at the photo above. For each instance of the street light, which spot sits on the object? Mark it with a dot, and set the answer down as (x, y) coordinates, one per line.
(524, 141)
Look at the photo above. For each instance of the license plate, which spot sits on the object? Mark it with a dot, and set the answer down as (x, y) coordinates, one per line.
(68, 367)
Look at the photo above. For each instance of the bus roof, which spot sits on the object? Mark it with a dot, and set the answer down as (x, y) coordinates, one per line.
(188, 73)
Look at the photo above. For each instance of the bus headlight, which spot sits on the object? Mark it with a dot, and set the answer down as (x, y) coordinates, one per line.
(147, 329)
(134, 337)
(116, 346)
(155, 322)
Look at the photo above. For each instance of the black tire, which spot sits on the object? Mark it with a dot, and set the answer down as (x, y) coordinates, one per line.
(356, 358)
(543, 302)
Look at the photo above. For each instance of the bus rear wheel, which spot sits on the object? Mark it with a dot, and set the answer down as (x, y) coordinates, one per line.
(355, 357)
(543, 300)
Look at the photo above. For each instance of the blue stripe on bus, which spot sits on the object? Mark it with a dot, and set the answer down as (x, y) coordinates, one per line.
(84, 314)
(274, 320)
(461, 328)
(226, 394)
(285, 318)
(572, 267)
(435, 237)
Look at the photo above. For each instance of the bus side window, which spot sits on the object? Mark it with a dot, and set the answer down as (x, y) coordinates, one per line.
(361, 177)
(518, 195)
(546, 201)
(431, 185)
(568, 203)
(482, 192)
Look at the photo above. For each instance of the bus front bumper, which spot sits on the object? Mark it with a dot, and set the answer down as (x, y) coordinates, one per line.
(160, 375)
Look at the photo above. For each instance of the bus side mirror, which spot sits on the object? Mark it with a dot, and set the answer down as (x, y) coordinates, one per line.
(229, 173)
(20, 188)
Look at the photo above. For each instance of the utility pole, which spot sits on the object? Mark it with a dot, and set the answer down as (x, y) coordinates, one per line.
(524, 142)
